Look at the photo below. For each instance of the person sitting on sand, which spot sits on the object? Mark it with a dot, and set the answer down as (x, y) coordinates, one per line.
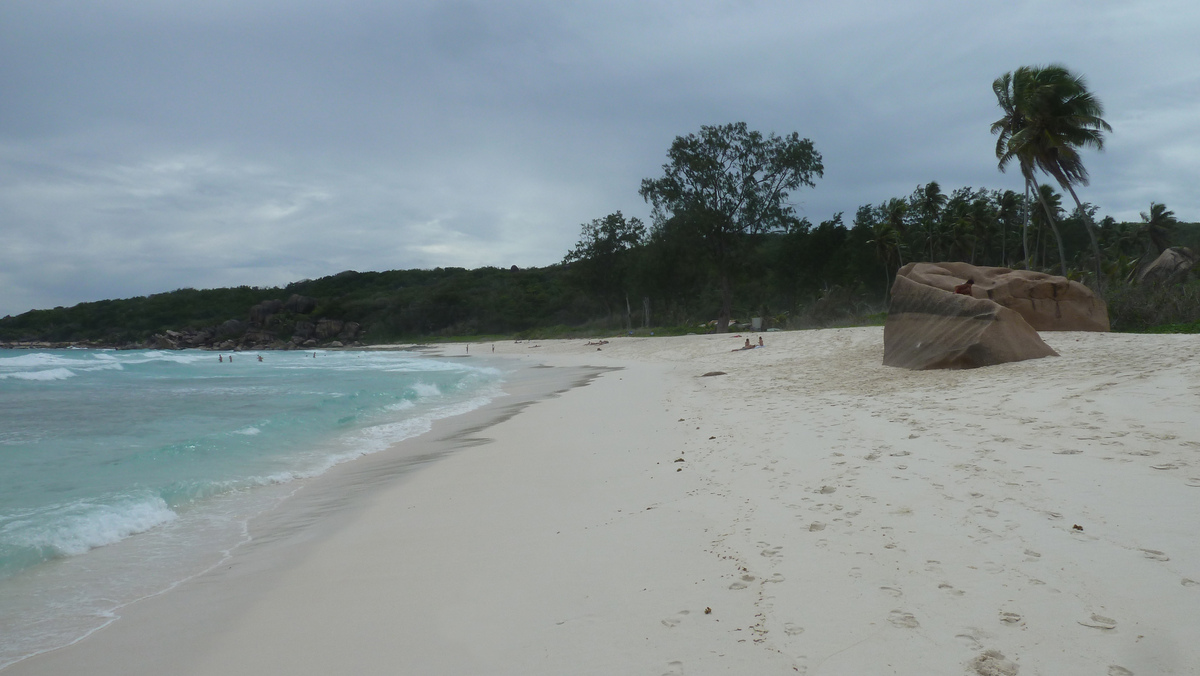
(965, 288)
(760, 343)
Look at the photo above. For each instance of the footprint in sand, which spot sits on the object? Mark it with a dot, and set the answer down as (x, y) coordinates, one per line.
(1099, 622)
(1155, 554)
(1012, 619)
(893, 591)
(826, 490)
(674, 668)
(742, 583)
(1166, 465)
(1189, 583)
(971, 640)
(1114, 670)
(950, 588)
(903, 620)
(816, 526)
(1194, 482)
(771, 551)
(792, 629)
(1068, 451)
(994, 663)
(674, 620)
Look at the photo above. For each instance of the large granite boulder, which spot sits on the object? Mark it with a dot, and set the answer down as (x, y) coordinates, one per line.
(300, 305)
(328, 328)
(931, 328)
(261, 312)
(1171, 265)
(1047, 302)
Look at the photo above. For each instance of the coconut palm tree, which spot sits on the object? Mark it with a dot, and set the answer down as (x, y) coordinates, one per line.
(927, 202)
(1008, 89)
(1157, 226)
(1049, 116)
(1008, 207)
(888, 244)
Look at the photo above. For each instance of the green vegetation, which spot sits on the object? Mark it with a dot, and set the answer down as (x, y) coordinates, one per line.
(724, 244)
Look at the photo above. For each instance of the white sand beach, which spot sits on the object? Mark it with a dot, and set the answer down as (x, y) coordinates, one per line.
(810, 511)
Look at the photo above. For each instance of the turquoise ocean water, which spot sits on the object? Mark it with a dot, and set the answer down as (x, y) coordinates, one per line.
(123, 473)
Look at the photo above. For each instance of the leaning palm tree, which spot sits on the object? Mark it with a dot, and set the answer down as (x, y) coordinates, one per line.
(1008, 89)
(1053, 115)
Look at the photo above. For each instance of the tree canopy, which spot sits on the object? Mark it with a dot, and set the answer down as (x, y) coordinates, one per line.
(727, 182)
(1049, 115)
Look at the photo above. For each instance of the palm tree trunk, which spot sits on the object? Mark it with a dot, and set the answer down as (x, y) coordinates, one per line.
(1025, 230)
(1091, 228)
(1062, 252)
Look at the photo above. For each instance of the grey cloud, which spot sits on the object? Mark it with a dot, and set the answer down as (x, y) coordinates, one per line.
(145, 147)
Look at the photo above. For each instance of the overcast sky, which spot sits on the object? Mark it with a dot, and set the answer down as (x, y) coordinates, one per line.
(149, 145)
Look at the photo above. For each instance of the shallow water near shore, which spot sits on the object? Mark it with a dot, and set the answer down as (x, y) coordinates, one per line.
(123, 473)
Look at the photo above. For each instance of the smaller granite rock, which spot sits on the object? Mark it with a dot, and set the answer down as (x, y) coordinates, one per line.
(1171, 265)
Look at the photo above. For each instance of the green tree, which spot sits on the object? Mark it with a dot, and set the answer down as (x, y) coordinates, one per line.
(926, 203)
(1157, 225)
(600, 259)
(1049, 115)
(1009, 206)
(728, 182)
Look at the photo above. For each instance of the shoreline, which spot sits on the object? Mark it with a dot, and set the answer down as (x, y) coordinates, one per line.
(311, 507)
(808, 511)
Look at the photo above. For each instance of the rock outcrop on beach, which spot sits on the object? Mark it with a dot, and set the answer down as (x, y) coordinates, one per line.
(929, 327)
(1046, 302)
(1170, 266)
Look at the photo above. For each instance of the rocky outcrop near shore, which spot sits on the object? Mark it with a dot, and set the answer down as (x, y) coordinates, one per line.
(1046, 302)
(930, 327)
(269, 325)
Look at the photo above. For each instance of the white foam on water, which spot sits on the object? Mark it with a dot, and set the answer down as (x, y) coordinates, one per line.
(47, 374)
(249, 431)
(77, 527)
(425, 390)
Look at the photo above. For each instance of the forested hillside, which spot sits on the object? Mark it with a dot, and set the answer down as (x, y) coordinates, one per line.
(725, 244)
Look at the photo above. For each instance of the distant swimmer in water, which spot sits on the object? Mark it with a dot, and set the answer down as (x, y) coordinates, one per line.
(260, 357)
(221, 358)
(965, 288)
